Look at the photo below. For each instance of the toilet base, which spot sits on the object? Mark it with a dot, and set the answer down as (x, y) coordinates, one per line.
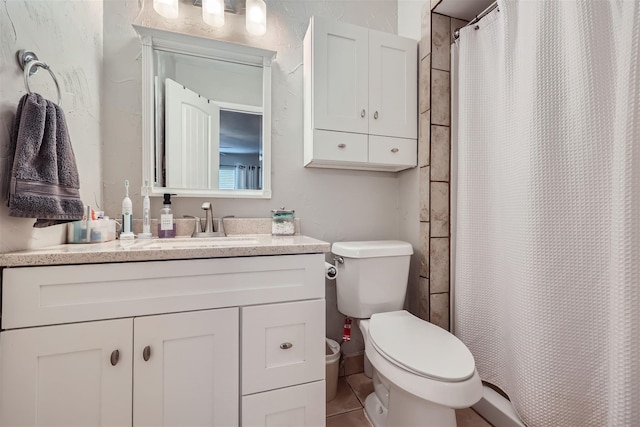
(405, 409)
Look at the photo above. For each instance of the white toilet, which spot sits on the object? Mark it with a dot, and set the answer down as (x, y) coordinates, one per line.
(422, 373)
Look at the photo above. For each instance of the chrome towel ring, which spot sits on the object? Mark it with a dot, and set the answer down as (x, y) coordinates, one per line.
(30, 63)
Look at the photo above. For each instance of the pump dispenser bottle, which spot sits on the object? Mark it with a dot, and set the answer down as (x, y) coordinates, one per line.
(167, 225)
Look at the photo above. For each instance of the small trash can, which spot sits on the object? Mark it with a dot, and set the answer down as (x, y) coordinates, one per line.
(332, 363)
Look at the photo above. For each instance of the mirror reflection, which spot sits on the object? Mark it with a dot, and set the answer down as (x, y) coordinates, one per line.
(209, 131)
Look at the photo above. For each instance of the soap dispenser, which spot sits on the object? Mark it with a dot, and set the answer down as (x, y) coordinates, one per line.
(167, 225)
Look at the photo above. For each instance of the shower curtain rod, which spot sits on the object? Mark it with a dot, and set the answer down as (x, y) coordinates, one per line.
(478, 17)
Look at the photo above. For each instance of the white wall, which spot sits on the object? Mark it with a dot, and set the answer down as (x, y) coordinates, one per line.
(68, 36)
(409, 18)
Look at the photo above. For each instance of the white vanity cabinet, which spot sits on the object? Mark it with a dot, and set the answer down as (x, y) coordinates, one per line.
(360, 90)
(203, 342)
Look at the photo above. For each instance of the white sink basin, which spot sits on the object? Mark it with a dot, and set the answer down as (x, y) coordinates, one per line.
(195, 243)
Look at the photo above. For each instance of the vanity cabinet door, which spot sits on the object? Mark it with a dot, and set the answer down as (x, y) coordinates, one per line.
(186, 369)
(67, 375)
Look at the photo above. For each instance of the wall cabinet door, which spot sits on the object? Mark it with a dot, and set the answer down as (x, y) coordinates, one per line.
(67, 375)
(340, 76)
(393, 86)
(186, 369)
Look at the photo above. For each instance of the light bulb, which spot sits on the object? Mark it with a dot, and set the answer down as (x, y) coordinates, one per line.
(213, 12)
(166, 8)
(256, 17)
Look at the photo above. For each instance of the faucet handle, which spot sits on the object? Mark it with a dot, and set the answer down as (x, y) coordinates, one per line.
(197, 228)
(206, 206)
(221, 224)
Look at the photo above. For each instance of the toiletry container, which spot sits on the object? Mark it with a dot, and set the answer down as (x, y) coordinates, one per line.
(283, 222)
(166, 225)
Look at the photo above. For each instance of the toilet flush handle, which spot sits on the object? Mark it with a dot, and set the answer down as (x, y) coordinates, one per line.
(338, 259)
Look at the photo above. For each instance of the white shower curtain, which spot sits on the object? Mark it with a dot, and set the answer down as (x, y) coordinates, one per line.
(547, 262)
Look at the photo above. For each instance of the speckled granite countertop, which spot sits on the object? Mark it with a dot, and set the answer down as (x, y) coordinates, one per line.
(166, 249)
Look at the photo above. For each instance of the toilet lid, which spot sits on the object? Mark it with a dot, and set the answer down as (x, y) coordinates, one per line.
(420, 347)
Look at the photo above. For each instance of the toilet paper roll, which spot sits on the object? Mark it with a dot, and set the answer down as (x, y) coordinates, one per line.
(330, 271)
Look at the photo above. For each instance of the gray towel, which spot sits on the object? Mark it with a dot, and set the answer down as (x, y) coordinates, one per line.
(44, 179)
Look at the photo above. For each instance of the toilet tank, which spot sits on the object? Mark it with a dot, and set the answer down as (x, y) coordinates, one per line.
(373, 277)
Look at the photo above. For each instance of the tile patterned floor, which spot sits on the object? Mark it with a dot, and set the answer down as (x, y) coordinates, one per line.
(346, 409)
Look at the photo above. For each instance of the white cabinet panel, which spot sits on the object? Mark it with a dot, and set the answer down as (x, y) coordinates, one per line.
(67, 375)
(340, 76)
(384, 150)
(282, 345)
(357, 82)
(191, 374)
(393, 94)
(298, 406)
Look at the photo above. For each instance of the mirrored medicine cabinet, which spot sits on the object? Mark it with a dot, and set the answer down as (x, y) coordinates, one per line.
(206, 116)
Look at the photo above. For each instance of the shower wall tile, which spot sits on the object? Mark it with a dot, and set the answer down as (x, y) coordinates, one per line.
(424, 249)
(424, 193)
(424, 47)
(424, 299)
(439, 265)
(439, 221)
(440, 41)
(424, 95)
(440, 153)
(424, 139)
(455, 24)
(440, 94)
(439, 310)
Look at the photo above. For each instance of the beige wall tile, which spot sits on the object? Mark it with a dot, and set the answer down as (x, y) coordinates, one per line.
(424, 47)
(440, 153)
(424, 95)
(424, 249)
(423, 299)
(424, 138)
(440, 41)
(440, 98)
(455, 24)
(439, 209)
(440, 310)
(439, 265)
(424, 194)
(353, 364)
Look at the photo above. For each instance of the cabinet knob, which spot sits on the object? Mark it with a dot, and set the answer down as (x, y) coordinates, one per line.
(146, 353)
(375, 115)
(115, 356)
(342, 145)
(362, 113)
(394, 150)
(286, 345)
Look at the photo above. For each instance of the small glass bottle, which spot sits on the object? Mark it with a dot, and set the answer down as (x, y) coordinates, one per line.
(283, 222)
(167, 224)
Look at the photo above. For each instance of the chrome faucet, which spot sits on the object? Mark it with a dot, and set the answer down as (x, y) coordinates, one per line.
(208, 211)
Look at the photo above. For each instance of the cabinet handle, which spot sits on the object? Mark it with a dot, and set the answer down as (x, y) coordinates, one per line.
(394, 150)
(286, 345)
(375, 115)
(342, 145)
(115, 356)
(146, 353)
(362, 113)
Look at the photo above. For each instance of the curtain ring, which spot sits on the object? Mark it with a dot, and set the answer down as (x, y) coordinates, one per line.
(37, 63)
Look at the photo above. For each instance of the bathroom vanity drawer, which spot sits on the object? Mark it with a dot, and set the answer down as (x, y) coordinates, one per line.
(282, 345)
(33, 296)
(385, 150)
(291, 406)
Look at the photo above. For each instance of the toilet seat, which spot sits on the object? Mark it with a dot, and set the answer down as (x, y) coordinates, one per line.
(420, 347)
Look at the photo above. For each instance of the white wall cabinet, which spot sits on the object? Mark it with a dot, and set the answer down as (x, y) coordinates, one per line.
(359, 83)
(156, 367)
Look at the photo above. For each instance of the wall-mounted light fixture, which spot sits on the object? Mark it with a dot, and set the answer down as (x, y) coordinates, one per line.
(213, 12)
